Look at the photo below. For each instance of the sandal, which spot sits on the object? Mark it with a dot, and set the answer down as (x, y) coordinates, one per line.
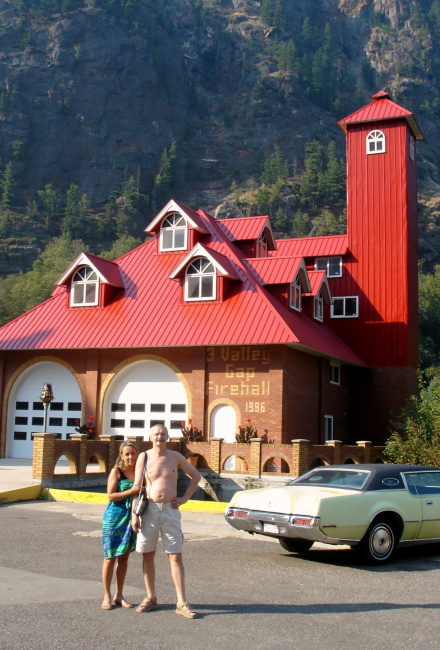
(147, 605)
(106, 604)
(122, 603)
(185, 610)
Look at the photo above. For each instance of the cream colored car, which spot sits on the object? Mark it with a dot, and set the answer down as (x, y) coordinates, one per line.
(371, 507)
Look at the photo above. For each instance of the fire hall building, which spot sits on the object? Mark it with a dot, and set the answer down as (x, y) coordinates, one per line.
(215, 320)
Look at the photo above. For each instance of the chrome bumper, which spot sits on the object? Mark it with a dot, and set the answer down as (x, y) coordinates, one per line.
(253, 521)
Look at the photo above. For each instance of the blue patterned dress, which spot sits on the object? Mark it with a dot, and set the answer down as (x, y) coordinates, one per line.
(117, 534)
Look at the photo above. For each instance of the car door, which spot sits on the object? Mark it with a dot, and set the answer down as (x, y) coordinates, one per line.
(426, 486)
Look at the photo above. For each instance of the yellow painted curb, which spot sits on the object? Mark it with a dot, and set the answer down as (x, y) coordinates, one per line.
(21, 494)
(101, 499)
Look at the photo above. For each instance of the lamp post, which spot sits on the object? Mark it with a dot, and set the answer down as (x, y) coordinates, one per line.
(46, 397)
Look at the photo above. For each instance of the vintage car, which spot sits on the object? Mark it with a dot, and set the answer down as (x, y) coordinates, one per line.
(373, 508)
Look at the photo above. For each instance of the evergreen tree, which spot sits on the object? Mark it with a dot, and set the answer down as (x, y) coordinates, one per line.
(301, 225)
(73, 222)
(311, 190)
(334, 181)
(166, 178)
(7, 186)
(49, 203)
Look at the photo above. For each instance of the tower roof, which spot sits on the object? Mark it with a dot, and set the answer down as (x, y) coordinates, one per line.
(382, 108)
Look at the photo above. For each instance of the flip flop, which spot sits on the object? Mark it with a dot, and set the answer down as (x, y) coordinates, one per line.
(122, 603)
(106, 605)
(186, 611)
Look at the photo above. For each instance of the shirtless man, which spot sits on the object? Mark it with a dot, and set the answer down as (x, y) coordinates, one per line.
(163, 515)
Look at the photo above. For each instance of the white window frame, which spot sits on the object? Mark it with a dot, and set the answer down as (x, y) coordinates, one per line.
(335, 373)
(84, 278)
(411, 148)
(344, 315)
(329, 432)
(261, 246)
(174, 223)
(373, 140)
(318, 307)
(295, 294)
(324, 263)
(198, 274)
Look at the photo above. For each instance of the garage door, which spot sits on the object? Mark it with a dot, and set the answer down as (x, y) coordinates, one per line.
(143, 394)
(25, 410)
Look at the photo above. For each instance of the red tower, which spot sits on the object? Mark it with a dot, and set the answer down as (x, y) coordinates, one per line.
(379, 283)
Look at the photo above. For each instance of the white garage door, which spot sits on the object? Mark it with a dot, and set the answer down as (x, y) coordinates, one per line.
(143, 394)
(25, 409)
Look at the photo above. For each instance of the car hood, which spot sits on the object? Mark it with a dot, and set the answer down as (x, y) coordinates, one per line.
(289, 499)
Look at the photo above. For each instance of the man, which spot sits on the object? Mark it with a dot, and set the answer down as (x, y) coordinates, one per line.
(163, 515)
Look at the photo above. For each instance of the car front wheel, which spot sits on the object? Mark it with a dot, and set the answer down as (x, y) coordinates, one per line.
(379, 543)
(295, 545)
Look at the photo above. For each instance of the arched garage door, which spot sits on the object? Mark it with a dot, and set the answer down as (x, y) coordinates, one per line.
(25, 410)
(143, 394)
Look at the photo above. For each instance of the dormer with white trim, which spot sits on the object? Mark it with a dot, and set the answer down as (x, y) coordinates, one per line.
(176, 228)
(205, 275)
(91, 281)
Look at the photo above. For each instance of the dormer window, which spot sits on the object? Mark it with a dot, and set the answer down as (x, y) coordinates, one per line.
(85, 286)
(200, 280)
(375, 142)
(318, 307)
(295, 294)
(262, 245)
(173, 233)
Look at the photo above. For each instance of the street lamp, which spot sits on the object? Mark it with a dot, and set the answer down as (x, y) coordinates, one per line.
(46, 397)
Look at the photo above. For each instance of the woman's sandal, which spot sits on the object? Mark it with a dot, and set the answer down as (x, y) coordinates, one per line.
(147, 605)
(186, 611)
(106, 604)
(122, 603)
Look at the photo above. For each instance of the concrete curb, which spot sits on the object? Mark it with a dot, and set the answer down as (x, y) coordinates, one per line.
(21, 494)
(101, 499)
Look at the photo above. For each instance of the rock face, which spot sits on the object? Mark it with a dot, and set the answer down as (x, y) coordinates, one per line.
(94, 99)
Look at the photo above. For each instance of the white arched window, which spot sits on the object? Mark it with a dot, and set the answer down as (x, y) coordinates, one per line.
(375, 142)
(85, 286)
(200, 280)
(173, 233)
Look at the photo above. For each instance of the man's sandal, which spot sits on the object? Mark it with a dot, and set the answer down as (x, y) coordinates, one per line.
(147, 605)
(185, 610)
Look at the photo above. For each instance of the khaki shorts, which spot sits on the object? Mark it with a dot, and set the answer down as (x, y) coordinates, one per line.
(160, 518)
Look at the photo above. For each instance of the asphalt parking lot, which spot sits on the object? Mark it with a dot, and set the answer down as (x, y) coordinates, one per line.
(248, 591)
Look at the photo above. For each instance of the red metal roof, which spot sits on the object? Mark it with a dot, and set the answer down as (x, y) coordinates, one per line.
(150, 312)
(108, 272)
(274, 270)
(312, 247)
(318, 280)
(381, 108)
(247, 228)
(223, 265)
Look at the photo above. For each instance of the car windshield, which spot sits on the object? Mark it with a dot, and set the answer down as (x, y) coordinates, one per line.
(340, 478)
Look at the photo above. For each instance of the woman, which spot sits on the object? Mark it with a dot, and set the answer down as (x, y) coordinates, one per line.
(118, 537)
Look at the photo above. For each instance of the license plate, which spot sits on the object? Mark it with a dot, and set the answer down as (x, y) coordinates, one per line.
(270, 528)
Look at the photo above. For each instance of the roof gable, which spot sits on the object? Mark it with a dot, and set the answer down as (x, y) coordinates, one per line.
(171, 207)
(107, 272)
(319, 282)
(381, 108)
(280, 270)
(222, 264)
(248, 228)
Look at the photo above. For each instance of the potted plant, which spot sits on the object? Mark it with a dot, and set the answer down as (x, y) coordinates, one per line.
(246, 433)
(88, 428)
(191, 433)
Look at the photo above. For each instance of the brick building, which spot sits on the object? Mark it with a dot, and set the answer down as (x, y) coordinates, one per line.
(216, 321)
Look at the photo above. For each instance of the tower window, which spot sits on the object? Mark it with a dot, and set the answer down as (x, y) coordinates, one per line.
(346, 307)
(411, 148)
(331, 265)
(375, 142)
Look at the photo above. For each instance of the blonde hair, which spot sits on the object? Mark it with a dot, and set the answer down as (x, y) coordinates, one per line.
(120, 461)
